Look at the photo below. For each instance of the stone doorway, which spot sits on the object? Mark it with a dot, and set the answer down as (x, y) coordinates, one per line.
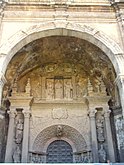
(59, 151)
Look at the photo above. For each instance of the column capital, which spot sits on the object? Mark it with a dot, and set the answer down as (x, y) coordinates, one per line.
(107, 113)
(12, 113)
(92, 113)
(27, 113)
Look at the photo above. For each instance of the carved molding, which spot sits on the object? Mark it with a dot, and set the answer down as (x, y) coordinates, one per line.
(5, 48)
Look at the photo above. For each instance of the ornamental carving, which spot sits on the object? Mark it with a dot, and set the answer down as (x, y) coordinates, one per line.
(102, 154)
(19, 131)
(17, 154)
(59, 113)
(59, 131)
(19, 127)
(100, 129)
(36, 158)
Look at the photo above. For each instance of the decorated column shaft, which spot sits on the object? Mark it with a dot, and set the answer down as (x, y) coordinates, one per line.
(109, 135)
(25, 142)
(10, 138)
(93, 136)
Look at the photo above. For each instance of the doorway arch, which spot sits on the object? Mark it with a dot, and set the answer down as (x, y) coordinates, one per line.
(59, 151)
(63, 28)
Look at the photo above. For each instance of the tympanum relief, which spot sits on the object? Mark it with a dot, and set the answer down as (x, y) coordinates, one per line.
(61, 65)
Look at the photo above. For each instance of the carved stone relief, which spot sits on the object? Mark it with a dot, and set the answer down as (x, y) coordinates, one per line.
(101, 136)
(59, 131)
(73, 58)
(84, 157)
(59, 113)
(100, 129)
(119, 123)
(36, 158)
(68, 90)
(102, 154)
(19, 131)
(59, 89)
(50, 88)
(17, 149)
(65, 131)
(17, 154)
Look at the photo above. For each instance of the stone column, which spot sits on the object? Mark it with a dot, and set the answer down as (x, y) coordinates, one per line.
(10, 138)
(119, 81)
(109, 135)
(25, 142)
(94, 135)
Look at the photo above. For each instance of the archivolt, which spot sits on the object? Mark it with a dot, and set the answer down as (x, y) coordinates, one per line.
(70, 134)
(59, 28)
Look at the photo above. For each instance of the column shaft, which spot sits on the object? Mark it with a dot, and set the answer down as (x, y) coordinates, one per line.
(25, 142)
(94, 137)
(109, 137)
(10, 138)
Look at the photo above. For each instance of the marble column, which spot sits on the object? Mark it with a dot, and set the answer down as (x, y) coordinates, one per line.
(94, 136)
(10, 138)
(109, 135)
(25, 142)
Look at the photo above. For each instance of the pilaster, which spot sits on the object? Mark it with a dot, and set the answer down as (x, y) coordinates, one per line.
(92, 113)
(109, 134)
(9, 147)
(25, 141)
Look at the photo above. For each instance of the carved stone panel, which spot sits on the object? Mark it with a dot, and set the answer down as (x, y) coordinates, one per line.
(68, 91)
(59, 113)
(59, 89)
(49, 88)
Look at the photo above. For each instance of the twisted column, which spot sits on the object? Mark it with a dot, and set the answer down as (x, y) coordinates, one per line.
(10, 138)
(25, 141)
(109, 135)
(94, 135)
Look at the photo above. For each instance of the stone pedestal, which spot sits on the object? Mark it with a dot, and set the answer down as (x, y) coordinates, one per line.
(9, 146)
(25, 136)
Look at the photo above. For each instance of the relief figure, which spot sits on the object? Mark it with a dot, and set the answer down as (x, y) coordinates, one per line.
(58, 88)
(50, 89)
(17, 155)
(19, 131)
(102, 154)
(67, 89)
(100, 130)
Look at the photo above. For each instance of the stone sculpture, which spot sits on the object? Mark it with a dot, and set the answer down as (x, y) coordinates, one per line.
(19, 131)
(102, 154)
(17, 155)
(59, 131)
(100, 130)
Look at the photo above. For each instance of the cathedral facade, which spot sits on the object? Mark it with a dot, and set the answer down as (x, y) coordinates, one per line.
(61, 81)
